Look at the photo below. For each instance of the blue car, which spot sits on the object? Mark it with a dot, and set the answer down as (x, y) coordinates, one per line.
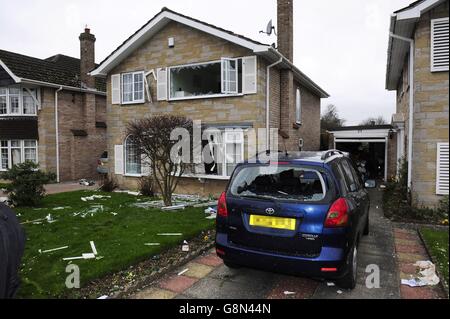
(303, 214)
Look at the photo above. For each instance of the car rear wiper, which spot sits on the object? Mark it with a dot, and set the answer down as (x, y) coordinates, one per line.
(258, 197)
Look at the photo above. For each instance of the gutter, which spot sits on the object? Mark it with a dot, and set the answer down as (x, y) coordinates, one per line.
(411, 101)
(268, 102)
(57, 133)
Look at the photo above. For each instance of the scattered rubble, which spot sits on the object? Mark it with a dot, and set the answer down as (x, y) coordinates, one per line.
(52, 250)
(94, 197)
(426, 275)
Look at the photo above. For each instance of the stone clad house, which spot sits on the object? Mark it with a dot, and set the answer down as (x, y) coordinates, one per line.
(179, 65)
(52, 112)
(418, 65)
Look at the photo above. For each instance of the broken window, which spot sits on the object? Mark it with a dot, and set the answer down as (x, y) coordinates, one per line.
(133, 88)
(280, 182)
(215, 78)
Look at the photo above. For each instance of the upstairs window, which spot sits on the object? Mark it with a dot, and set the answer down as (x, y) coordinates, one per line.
(133, 88)
(17, 101)
(439, 45)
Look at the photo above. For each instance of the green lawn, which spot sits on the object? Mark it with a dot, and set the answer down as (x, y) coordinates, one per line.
(437, 243)
(120, 239)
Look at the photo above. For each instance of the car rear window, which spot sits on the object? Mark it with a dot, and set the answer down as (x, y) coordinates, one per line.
(279, 182)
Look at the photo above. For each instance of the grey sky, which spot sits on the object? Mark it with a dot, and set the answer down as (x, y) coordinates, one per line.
(341, 44)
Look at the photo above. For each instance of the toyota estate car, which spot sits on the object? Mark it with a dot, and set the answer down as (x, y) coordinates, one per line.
(303, 214)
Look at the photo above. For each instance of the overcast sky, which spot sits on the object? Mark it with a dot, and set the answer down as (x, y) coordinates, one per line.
(341, 44)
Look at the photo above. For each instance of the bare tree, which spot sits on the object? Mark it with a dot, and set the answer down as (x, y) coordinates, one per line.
(330, 119)
(159, 147)
(380, 120)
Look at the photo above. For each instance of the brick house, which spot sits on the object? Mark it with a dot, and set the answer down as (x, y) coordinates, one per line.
(52, 112)
(179, 65)
(418, 65)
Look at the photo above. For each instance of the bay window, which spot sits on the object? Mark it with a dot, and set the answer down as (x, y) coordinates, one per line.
(17, 101)
(13, 152)
(133, 88)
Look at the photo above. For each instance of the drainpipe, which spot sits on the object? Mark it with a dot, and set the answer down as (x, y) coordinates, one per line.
(411, 102)
(268, 102)
(57, 133)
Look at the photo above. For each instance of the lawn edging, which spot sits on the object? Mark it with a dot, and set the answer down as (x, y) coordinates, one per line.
(443, 283)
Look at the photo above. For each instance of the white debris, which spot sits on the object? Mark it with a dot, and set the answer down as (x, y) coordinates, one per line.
(3, 199)
(60, 208)
(94, 197)
(330, 284)
(103, 297)
(339, 292)
(183, 272)
(170, 234)
(214, 216)
(50, 219)
(94, 249)
(152, 244)
(185, 247)
(210, 211)
(289, 293)
(114, 214)
(170, 208)
(427, 276)
(89, 256)
(33, 221)
(52, 250)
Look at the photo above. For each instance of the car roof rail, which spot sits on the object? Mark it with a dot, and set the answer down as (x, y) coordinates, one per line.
(327, 154)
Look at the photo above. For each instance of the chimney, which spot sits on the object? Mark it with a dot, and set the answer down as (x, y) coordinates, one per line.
(286, 28)
(87, 58)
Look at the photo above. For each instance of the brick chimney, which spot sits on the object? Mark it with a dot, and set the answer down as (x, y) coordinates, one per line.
(87, 58)
(286, 47)
(286, 28)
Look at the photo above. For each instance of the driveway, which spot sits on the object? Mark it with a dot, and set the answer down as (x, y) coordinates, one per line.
(207, 278)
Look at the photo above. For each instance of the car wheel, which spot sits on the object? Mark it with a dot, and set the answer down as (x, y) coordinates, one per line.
(367, 227)
(349, 280)
(231, 265)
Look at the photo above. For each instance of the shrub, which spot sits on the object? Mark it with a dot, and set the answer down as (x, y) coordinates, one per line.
(26, 187)
(146, 186)
(109, 184)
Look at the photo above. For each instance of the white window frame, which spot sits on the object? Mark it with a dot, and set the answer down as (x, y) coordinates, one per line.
(219, 95)
(125, 161)
(226, 72)
(440, 146)
(433, 68)
(133, 90)
(21, 104)
(22, 152)
(298, 107)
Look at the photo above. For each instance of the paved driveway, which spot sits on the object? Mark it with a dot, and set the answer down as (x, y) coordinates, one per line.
(207, 277)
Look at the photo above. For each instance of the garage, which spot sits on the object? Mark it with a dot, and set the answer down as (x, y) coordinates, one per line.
(372, 148)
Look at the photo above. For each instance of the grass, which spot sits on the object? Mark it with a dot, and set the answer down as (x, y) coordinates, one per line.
(119, 239)
(3, 185)
(437, 244)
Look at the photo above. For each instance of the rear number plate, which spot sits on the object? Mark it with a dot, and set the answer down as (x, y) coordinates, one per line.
(272, 222)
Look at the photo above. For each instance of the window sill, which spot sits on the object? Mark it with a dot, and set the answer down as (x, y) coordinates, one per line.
(204, 176)
(133, 103)
(133, 175)
(204, 97)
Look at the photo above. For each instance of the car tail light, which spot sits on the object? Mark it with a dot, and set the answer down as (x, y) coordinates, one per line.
(222, 206)
(328, 269)
(338, 214)
(220, 252)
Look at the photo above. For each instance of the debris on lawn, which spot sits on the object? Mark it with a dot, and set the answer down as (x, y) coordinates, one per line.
(52, 250)
(211, 211)
(61, 208)
(94, 197)
(128, 192)
(185, 247)
(86, 182)
(183, 272)
(50, 219)
(94, 209)
(170, 234)
(86, 256)
(94, 249)
(208, 204)
(152, 244)
(33, 221)
(426, 275)
(289, 293)
(170, 208)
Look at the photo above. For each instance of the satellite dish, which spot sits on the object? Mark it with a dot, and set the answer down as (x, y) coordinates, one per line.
(269, 29)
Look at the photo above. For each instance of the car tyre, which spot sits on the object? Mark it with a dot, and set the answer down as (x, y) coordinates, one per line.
(349, 280)
(367, 227)
(231, 265)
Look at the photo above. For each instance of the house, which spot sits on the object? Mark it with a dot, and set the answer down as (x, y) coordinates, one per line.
(52, 112)
(179, 65)
(417, 68)
(374, 145)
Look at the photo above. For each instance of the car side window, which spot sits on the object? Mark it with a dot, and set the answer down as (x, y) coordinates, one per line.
(340, 178)
(353, 186)
(356, 175)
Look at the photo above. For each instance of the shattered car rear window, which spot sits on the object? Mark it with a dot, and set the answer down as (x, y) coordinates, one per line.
(279, 182)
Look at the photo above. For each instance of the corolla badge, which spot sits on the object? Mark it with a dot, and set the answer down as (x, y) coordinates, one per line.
(270, 211)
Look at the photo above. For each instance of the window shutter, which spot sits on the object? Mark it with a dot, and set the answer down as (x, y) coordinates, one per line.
(115, 89)
(161, 91)
(442, 169)
(439, 45)
(249, 75)
(118, 159)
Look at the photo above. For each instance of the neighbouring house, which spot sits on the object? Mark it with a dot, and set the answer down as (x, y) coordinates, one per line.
(52, 112)
(374, 145)
(417, 68)
(179, 65)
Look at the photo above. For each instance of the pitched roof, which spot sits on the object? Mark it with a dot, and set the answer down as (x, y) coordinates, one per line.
(59, 69)
(166, 15)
